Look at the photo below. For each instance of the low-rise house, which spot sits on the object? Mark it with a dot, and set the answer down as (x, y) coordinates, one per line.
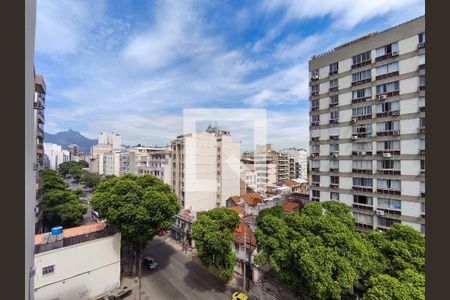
(182, 227)
(77, 263)
(290, 207)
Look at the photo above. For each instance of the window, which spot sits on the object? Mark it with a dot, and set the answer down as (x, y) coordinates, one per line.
(334, 196)
(315, 89)
(315, 119)
(315, 164)
(334, 164)
(48, 270)
(315, 104)
(333, 83)
(315, 149)
(389, 203)
(315, 134)
(333, 68)
(422, 122)
(388, 87)
(388, 164)
(421, 37)
(422, 188)
(387, 69)
(422, 165)
(386, 222)
(361, 58)
(421, 102)
(422, 144)
(388, 146)
(361, 181)
(315, 178)
(362, 146)
(388, 126)
(389, 184)
(421, 59)
(362, 165)
(334, 179)
(334, 148)
(362, 111)
(422, 80)
(363, 218)
(315, 74)
(334, 132)
(334, 100)
(361, 76)
(386, 51)
(334, 116)
(362, 93)
(422, 228)
(359, 199)
(236, 247)
(315, 194)
(388, 107)
(362, 129)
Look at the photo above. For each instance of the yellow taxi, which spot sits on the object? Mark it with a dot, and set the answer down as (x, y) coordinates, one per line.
(239, 296)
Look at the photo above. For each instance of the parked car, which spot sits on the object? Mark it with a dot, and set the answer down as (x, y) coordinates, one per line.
(150, 262)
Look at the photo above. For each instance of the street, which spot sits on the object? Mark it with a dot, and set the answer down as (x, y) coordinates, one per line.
(87, 217)
(178, 277)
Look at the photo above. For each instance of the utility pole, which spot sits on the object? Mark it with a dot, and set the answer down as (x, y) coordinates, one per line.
(245, 256)
(140, 263)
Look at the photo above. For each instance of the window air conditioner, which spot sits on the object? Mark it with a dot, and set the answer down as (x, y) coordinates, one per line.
(335, 155)
(354, 120)
(396, 132)
(387, 155)
(379, 212)
(315, 77)
(395, 113)
(394, 53)
(381, 97)
(355, 137)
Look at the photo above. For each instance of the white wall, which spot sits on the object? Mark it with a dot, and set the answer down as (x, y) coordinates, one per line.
(82, 271)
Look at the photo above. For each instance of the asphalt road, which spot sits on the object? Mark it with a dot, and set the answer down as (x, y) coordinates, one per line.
(177, 277)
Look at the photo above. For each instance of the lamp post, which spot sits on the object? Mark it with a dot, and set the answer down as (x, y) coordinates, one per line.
(245, 256)
(140, 264)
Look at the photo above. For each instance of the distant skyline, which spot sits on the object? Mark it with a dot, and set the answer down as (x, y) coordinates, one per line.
(131, 67)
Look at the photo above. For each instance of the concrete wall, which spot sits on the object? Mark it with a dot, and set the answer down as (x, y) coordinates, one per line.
(81, 271)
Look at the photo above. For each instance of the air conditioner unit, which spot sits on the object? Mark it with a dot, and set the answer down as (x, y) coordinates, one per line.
(355, 137)
(361, 153)
(314, 77)
(387, 155)
(395, 113)
(354, 120)
(381, 97)
(396, 132)
(394, 53)
(379, 212)
(335, 155)
(313, 155)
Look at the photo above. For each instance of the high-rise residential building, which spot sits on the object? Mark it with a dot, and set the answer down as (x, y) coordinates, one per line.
(97, 160)
(39, 106)
(110, 138)
(205, 168)
(297, 162)
(283, 165)
(54, 156)
(111, 163)
(73, 149)
(367, 133)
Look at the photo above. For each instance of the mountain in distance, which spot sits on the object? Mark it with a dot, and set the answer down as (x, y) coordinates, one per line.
(65, 138)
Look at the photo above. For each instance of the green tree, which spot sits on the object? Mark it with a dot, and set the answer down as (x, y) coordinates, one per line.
(318, 252)
(52, 180)
(90, 180)
(83, 164)
(276, 211)
(137, 206)
(213, 234)
(61, 208)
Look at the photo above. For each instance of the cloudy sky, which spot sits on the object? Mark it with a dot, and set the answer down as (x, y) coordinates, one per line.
(132, 67)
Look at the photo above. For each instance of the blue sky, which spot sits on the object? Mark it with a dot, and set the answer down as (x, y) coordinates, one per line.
(133, 66)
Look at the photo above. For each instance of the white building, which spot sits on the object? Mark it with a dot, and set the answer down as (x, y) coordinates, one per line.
(148, 161)
(96, 164)
(55, 156)
(298, 159)
(205, 168)
(367, 131)
(80, 263)
(111, 163)
(110, 138)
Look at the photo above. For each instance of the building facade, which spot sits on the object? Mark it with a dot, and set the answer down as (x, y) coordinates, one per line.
(79, 263)
(148, 161)
(367, 131)
(110, 138)
(39, 120)
(96, 163)
(54, 155)
(205, 168)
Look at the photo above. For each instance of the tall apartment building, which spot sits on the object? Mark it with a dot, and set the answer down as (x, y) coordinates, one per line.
(110, 138)
(39, 106)
(297, 162)
(367, 133)
(73, 149)
(283, 166)
(111, 163)
(205, 168)
(149, 161)
(96, 163)
(54, 155)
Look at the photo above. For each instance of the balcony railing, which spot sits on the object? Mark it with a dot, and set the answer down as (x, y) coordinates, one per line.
(388, 151)
(388, 94)
(388, 171)
(363, 171)
(388, 113)
(334, 170)
(362, 207)
(362, 188)
(388, 132)
(362, 99)
(388, 191)
(388, 75)
(363, 81)
(362, 64)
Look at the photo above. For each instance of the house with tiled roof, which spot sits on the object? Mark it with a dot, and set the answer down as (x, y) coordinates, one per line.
(77, 263)
(290, 207)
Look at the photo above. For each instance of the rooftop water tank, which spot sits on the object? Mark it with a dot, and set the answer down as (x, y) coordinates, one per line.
(57, 230)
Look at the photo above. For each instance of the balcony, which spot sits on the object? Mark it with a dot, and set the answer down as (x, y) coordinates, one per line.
(421, 129)
(364, 227)
(382, 96)
(334, 121)
(421, 66)
(334, 170)
(422, 194)
(315, 123)
(388, 75)
(422, 87)
(362, 207)
(315, 199)
(388, 191)
(386, 56)
(388, 172)
(421, 45)
(362, 189)
(392, 113)
(315, 169)
(422, 152)
(359, 82)
(388, 132)
(362, 117)
(361, 153)
(314, 108)
(362, 99)
(362, 171)
(388, 152)
(362, 64)
(391, 212)
(333, 104)
(331, 73)
(334, 185)
(315, 93)
(334, 137)
(316, 184)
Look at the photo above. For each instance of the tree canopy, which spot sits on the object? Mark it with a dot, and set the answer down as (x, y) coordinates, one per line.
(138, 207)
(90, 180)
(213, 234)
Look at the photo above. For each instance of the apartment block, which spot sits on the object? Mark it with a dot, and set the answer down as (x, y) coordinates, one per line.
(148, 161)
(298, 159)
(96, 163)
(205, 168)
(110, 138)
(54, 156)
(39, 120)
(367, 130)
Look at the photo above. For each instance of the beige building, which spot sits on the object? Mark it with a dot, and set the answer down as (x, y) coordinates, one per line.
(79, 263)
(148, 161)
(111, 163)
(205, 168)
(96, 164)
(367, 133)
(110, 138)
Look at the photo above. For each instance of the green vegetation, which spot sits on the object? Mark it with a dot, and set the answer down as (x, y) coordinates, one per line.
(213, 234)
(60, 206)
(72, 168)
(319, 253)
(138, 207)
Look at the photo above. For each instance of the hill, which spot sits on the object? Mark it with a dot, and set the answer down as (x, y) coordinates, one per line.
(65, 138)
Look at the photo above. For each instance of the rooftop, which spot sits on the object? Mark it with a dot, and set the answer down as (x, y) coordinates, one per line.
(290, 206)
